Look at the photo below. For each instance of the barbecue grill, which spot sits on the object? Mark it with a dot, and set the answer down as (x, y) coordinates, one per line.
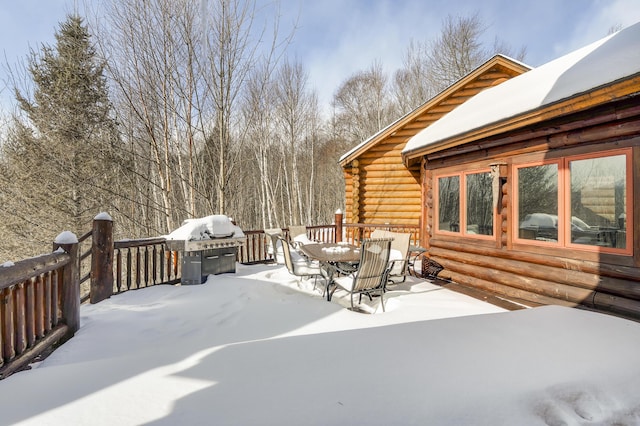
(209, 245)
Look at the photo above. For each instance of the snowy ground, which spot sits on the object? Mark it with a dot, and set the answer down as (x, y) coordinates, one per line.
(256, 347)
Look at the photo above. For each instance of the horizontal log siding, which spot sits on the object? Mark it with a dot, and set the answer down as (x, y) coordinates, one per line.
(381, 168)
(547, 284)
(536, 274)
(379, 187)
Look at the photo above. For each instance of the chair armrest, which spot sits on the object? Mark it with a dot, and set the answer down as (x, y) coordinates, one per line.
(392, 264)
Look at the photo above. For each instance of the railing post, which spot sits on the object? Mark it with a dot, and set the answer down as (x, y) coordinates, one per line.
(70, 304)
(338, 221)
(101, 258)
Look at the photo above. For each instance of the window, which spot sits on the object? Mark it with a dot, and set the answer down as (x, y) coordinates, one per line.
(538, 202)
(578, 202)
(479, 201)
(467, 199)
(598, 201)
(449, 203)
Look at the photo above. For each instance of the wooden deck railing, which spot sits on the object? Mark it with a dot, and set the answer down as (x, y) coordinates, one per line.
(118, 266)
(144, 263)
(355, 232)
(39, 305)
(85, 244)
(256, 248)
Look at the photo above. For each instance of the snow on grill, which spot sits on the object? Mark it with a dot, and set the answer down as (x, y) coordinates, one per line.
(209, 245)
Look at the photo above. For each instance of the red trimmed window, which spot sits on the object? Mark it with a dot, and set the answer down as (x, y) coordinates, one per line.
(464, 204)
(582, 202)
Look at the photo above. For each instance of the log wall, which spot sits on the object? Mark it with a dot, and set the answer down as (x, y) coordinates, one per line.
(607, 282)
(380, 189)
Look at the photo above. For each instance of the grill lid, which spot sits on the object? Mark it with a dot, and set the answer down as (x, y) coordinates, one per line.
(207, 232)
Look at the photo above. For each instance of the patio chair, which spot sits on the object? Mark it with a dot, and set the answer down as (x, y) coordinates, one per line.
(399, 255)
(298, 265)
(273, 245)
(371, 276)
(298, 235)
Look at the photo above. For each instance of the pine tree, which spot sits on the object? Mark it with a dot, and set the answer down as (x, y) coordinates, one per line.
(60, 158)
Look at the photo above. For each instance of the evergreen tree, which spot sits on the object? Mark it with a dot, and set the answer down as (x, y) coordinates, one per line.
(60, 157)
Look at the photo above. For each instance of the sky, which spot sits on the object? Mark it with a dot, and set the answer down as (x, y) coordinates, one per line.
(336, 38)
(259, 347)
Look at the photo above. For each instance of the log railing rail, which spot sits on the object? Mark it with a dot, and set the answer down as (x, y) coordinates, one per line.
(119, 266)
(39, 306)
(255, 249)
(84, 266)
(143, 263)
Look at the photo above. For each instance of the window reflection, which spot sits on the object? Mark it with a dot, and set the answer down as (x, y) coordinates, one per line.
(598, 201)
(449, 203)
(538, 202)
(479, 204)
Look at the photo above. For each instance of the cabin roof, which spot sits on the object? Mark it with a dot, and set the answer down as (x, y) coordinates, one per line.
(567, 84)
(501, 60)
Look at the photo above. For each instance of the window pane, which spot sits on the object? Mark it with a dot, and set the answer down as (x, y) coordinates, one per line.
(449, 203)
(479, 204)
(598, 201)
(538, 202)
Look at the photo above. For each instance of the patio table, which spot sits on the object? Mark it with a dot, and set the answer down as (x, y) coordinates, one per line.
(331, 252)
(330, 255)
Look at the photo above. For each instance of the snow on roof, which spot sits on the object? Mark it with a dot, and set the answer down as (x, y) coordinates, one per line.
(612, 58)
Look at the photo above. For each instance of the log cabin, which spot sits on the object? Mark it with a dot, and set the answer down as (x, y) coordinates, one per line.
(380, 189)
(531, 189)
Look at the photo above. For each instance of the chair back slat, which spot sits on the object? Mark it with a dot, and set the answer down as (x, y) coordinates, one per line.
(374, 258)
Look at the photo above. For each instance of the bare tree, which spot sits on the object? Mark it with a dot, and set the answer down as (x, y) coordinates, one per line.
(294, 106)
(180, 81)
(412, 86)
(431, 66)
(231, 54)
(152, 67)
(363, 105)
(457, 51)
(258, 113)
(285, 132)
(504, 48)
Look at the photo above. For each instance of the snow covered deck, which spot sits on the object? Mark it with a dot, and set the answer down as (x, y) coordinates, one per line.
(256, 347)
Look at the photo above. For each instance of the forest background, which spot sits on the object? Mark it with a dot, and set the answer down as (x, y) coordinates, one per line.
(164, 110)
